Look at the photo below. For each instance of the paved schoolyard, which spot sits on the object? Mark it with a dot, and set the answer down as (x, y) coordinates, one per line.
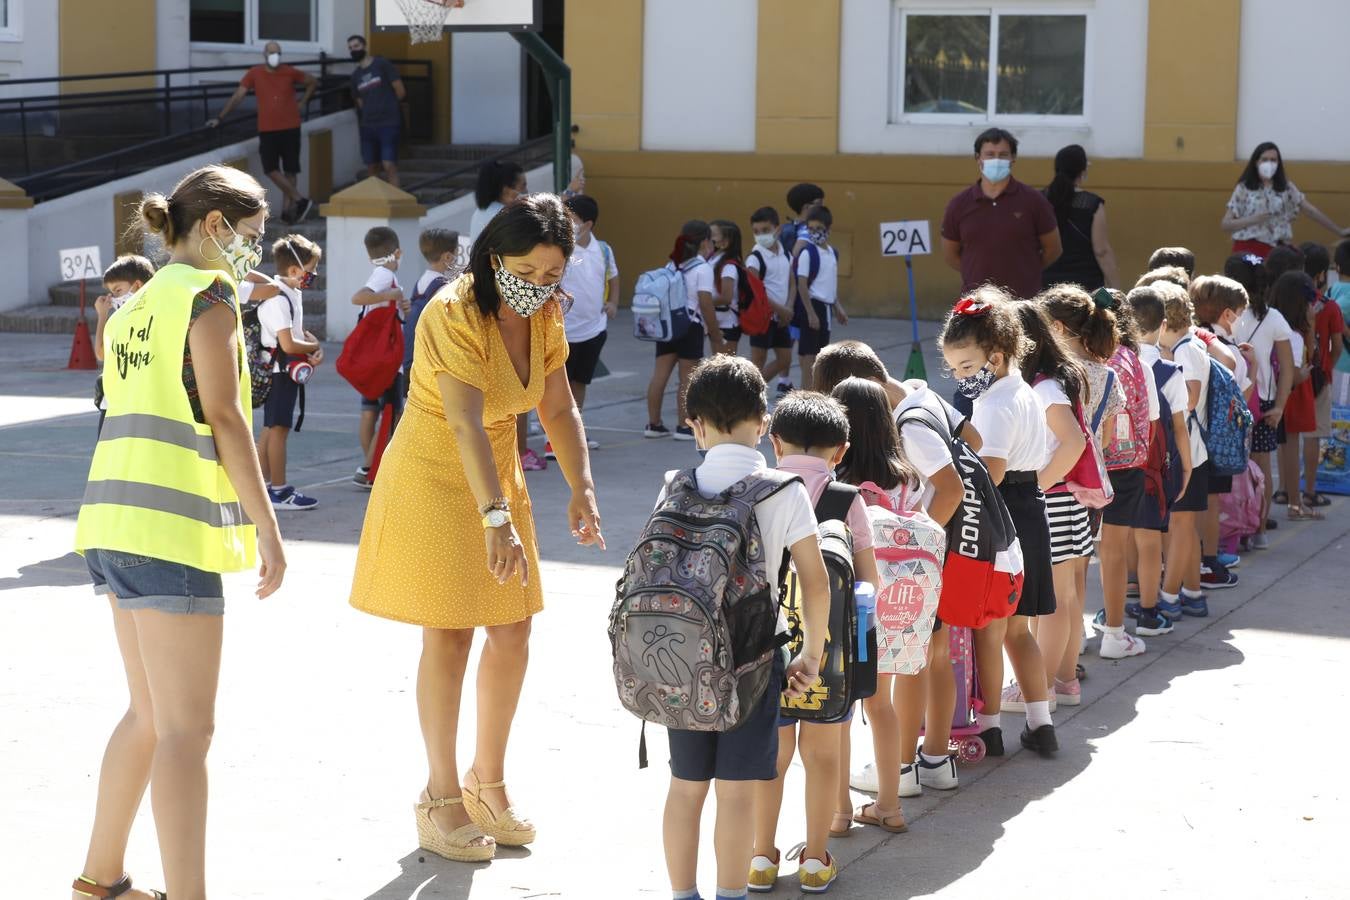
(1205, 768)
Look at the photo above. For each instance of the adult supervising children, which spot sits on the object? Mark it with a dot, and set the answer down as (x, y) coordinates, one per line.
(278, 123)
(378, 91)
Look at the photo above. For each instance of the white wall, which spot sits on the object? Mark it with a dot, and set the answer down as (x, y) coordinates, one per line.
(35, 52)
(699, 59)
(1117, 50)
(1293, 69)
(86, 218)
(485, 88)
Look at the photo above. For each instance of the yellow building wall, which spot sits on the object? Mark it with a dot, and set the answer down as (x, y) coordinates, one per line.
(603, 46)
(1190, 106)
(645, 198)
(97, 36)
(797, 115)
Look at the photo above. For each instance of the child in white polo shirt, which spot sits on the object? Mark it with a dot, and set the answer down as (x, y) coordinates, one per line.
(771, 261)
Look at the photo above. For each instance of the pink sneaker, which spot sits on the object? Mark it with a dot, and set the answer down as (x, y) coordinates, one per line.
(1014, 701)
(1068, 693)
(532, 462)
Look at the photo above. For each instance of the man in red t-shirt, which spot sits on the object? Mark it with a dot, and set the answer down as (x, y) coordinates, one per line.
(278, 123)
(1328, 326)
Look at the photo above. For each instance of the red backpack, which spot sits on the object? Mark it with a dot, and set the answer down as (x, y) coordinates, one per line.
(373, 352)
(1127, 448)
(756, 313)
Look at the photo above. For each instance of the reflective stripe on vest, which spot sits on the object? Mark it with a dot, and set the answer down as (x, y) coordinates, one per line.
(156, 486)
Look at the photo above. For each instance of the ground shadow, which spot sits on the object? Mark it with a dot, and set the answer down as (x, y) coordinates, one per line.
(62, 571)
(426, 876)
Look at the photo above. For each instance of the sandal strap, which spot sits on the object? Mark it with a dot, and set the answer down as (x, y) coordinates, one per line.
(465, 835)
(437, 804)
(480, 786)
(91, 888)
(882, 814)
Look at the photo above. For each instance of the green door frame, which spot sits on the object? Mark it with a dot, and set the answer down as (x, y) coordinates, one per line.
(558, 77)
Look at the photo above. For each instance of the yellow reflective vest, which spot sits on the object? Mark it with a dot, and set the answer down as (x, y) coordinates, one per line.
(156, 486)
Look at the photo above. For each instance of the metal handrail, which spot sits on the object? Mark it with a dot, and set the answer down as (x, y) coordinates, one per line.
(472, 166)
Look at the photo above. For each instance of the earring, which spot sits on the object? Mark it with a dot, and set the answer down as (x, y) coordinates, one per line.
(202, 253)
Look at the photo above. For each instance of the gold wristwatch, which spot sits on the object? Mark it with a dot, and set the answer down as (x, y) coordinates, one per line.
(496, 518)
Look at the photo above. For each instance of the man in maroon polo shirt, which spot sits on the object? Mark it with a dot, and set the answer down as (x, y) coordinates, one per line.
(999, 230)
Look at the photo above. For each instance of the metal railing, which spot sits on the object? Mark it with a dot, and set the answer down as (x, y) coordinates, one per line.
(179, 111)
(527, 154)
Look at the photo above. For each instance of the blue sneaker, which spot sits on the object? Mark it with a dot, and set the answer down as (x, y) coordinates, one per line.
(1170, 609)
(1194, 606)
(1229, 560)
(1099, 620)
(290, 498)
(1150, 623)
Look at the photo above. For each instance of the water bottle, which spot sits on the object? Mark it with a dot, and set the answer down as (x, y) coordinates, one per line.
(865, 598)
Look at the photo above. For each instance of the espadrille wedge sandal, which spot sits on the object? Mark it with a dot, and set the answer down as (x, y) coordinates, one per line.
(466, 843)
(91, 888)
(509, 829)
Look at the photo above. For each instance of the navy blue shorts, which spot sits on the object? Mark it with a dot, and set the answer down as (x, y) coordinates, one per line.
(141, 582)
(778, 337)
(812, 341)
(379, 143)
(750, 753)
(688, 346)
(279, 408)
(394, 395)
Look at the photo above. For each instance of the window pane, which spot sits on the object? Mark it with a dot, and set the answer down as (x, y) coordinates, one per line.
(217, 21)
(1040, 65)
(946, 64)
(285, 20)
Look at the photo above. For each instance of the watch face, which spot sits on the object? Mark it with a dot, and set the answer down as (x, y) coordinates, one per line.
(497, 518)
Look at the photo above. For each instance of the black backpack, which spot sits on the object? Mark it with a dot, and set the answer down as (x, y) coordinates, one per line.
(843, 678)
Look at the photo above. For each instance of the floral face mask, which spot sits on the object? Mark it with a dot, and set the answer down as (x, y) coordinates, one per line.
(972, 386)
(523, 297)
(241, 255)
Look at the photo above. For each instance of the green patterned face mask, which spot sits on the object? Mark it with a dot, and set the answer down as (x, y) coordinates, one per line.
(241, 255)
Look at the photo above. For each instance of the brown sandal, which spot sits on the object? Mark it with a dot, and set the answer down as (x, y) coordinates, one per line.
(91, 888)
(1300, 514)
(846, 831)
(880, 818)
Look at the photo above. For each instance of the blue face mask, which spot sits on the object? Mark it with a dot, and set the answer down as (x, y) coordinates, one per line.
(996, 170)
(973, 386)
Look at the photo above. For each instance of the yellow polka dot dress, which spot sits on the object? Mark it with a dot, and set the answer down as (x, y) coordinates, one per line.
(422, 559)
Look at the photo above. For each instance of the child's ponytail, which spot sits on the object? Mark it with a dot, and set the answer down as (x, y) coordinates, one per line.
(1091, 319)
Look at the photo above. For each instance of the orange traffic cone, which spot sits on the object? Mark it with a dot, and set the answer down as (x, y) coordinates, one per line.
(82, 348)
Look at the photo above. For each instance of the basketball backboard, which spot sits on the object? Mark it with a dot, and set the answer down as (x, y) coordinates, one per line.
(474, 15)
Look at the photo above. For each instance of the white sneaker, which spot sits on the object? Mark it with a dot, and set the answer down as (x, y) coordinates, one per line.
(940, 776)
(909, 781)
(866, 780)
(592, 444)
(1120, 647)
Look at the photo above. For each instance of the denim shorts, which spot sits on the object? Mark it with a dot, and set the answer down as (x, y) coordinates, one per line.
(750, 753)
(379, 143)
(140, 582)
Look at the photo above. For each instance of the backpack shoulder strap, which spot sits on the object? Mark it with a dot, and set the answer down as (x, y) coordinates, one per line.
(758, 257)
(924, 417)
(836, 502)
(1101, 404)
(812, 261)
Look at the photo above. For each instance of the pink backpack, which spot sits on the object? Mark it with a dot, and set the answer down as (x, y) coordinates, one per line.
(1087, 480)
(1127, 447)
(1240, 514)
(909, 548)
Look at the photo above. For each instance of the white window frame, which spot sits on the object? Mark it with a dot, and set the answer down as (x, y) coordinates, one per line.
(12, 30)
(899, 22)
(252, 40)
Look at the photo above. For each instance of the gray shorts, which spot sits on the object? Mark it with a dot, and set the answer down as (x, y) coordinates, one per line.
(140, 582)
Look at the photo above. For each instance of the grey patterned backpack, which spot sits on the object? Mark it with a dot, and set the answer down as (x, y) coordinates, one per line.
(694, 626)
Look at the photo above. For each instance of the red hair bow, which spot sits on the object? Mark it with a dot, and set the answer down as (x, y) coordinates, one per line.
(970, 306)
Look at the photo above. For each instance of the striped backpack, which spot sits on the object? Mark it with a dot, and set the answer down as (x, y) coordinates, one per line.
(1127, 447)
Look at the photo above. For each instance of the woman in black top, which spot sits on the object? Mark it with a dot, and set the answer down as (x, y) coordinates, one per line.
(1088, 259)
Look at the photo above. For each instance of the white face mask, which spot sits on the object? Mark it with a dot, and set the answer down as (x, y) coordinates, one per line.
(241, 255)
(274, 59)
(764, 240)
(1267, 169)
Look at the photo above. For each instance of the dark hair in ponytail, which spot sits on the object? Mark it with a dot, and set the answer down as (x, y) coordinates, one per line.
(694, 232)
(1050, 357)
(1070, 164)
(875, 452)
(1248, 271)
(1070, 305)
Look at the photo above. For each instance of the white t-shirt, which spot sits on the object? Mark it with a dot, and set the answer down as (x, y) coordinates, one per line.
(429, 276)
(276, 314)
(1050, 393)
(481, 217)
(1241, 375)
(698, 276)
(826, 286)
(1296, 346)
(381, 279)
(588, 271)
(1173, 391)
(1194, 361)
(772, 266)
(1262, 335)
(726, 318)
(926, 450)
(1011, 424)
(784, 519)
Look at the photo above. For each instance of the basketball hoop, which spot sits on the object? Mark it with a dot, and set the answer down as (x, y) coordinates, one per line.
(426, 18)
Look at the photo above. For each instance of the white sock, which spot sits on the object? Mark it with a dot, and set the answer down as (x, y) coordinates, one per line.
(1038, 713)
(986, 722)
(1194, 595)
(933, 759)
(1170, 598)
(1116, 631)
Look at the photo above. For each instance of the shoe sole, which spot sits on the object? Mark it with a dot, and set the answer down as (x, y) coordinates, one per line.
(654, 437)
(1069, 700)
(286, 507)
(1121, 656)
(1217, 586)
(1152, 632)
(757, 889)
(908, 791)
(684, 437)
(1196, 615)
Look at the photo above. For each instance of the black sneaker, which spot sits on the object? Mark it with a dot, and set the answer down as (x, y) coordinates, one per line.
(656, 430)
(1042, 740)
(993, 741)
(302, 210)
(784, 388)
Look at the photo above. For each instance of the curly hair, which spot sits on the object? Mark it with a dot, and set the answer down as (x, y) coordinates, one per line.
(994, 331)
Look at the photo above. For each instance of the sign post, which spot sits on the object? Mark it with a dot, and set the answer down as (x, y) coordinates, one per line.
(81, 263)
(907, 240)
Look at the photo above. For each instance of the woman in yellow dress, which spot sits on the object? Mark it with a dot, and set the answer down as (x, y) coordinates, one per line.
(449, 542)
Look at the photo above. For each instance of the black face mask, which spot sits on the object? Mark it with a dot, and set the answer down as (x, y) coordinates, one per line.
(358, 55)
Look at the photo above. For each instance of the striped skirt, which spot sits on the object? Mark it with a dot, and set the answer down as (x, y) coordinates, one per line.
(1070, 528)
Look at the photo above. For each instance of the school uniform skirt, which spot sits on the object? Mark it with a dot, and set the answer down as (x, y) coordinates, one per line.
(1070, 527)
(1264, 438)
(1026, 506)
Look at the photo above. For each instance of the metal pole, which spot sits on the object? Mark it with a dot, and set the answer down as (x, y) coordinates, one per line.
(913, 301)
(559, 78)
(168, 103)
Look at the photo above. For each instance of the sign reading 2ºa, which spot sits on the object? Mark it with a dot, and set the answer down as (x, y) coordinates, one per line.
(905, 238)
